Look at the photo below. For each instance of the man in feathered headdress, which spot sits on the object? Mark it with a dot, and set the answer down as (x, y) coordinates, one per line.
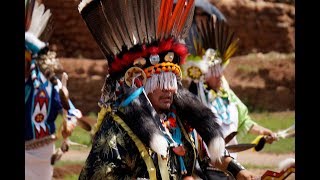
(45, 95)
(212, 43)
(146, 115)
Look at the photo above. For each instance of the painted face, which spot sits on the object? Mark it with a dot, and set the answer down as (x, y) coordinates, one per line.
(214, 82)
(161, 100)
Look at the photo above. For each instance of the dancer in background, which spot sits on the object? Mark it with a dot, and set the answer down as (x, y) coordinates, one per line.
(45, 95)
(212, 43)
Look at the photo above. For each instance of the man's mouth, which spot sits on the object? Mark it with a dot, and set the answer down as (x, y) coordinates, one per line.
(166, 99)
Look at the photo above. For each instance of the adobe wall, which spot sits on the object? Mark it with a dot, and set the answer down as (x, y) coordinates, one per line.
(262, 26)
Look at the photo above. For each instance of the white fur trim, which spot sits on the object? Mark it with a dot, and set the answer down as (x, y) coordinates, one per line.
(159, 144)
(286, 163)
(34, 40)
(164, 80)
(216, 149)
(83, 4)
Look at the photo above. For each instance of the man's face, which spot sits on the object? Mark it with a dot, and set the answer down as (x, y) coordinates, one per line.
(214, 82)
(161, 100)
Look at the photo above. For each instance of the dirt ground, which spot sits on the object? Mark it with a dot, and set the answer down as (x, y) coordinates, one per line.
(260, 161)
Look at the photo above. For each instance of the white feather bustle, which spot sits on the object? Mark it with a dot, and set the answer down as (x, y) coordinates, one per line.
(159, 144)
(216, 149)
(34, 40)
(83, 4)
(164, 80)
(40, 18)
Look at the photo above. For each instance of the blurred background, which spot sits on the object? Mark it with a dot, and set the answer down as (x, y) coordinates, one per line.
(261, 73)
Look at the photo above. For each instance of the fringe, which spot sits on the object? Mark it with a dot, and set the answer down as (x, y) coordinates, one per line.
(164, 80)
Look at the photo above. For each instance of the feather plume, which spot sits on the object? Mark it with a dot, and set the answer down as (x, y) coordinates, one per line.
(134, 5)
(131, 22)
(145, 12)
(29, 4)
(95, 17)
(39, 19)
(160, 20)
(151, 22)
(122, 13)
(176, 15)
(213, 33)
(83, 4)
(48, 30)
(126, 11)
(111, 9)
(226, 43)
(182, 23)
(143, 19)
(167, 17)
(185, 30)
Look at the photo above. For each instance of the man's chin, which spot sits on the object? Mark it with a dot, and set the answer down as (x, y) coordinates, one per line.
(166, 106)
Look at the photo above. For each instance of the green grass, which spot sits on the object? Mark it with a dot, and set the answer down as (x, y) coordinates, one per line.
(64, 163)
(274, 122)
(79, 135)
(71, 177)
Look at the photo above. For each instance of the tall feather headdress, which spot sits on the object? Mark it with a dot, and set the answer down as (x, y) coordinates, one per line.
(129, 29)
(210, 42)
(141, 40)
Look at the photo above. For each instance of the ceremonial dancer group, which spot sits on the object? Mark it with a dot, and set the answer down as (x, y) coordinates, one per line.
(150, 125)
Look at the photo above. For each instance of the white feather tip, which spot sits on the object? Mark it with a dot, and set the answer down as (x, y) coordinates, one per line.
(83, 4)
(31, 38)
(216, 149)
(159, 144)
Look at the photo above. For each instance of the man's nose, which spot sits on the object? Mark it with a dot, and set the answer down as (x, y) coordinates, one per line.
(169, 91)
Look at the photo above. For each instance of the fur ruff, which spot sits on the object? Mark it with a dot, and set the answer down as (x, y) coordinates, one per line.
(144, 122)
(190, 109)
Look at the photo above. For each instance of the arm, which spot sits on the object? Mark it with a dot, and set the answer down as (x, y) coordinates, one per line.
(246, 124)
(236, 169)
(69, 113)
(259, 130)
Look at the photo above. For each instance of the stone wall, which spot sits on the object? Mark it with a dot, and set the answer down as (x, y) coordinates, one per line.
(85, 80)
(261, 84)
(71, 37)
(262, 26)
